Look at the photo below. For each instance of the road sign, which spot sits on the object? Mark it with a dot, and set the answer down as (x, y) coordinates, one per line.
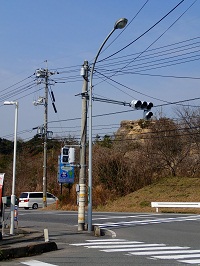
(66, 173)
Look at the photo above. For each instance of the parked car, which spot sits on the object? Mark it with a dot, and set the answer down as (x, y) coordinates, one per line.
(34, 200)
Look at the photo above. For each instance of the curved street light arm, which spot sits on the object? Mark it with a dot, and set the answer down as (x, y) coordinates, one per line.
(121, 23)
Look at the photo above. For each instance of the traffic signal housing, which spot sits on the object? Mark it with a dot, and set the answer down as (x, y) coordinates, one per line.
(145, 106)
(147, 115)
(71, 155)
(67, 155)
(139, 105)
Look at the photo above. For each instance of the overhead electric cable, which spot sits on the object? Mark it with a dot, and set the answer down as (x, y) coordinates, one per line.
(163, 76)
(146, 66)
(144, 32)
(165, 31)
(126, 26)
(156, 50)
(156, 40)
(18, 82)
(174, 52)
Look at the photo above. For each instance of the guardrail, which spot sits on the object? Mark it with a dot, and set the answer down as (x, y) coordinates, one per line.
(175, 205)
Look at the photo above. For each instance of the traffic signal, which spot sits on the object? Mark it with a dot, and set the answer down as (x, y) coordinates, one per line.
(148, 115)
(65, 155)
(139, 105)
(146, 106)
(149, 105)
(136, 104)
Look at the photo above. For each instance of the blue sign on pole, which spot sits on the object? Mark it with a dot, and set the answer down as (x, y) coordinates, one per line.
(66, 173)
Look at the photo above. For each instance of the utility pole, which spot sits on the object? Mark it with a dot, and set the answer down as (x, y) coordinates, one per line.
(44, 75)
(45, 141)
(82, 174)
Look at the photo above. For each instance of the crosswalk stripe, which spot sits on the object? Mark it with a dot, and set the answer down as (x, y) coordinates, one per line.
(105, 240)
(142, 249)
(149, 221)
(127, 246)
(37, 263)
(176, 257)
(106, 243)
(153, 251)
(190, 261)
(162, 252)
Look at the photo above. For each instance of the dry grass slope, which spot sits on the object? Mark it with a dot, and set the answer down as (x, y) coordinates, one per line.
(176, 189)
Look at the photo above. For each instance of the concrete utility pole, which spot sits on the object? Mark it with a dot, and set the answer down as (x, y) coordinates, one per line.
(44, 75)
(82, 174)
(45, 140)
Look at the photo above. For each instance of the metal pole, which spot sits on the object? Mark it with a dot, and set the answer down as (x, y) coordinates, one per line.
(12, 216)
(82, 174)
(119, 24)
(45, 141)
(90, 136)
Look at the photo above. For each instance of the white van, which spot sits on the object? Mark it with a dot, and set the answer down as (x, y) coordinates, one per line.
(34, 200)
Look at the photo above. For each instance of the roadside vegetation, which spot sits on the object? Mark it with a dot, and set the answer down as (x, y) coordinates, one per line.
(127, 166)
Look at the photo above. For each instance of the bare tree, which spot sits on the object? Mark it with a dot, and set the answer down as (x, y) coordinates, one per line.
(190, 124)
(167, 146)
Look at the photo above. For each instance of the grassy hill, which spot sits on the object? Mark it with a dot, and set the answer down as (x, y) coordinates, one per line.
(178, 189)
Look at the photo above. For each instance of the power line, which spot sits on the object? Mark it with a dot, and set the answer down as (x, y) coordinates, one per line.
(155, 40)
(157, 57)
(18, 82)
(155, 51)
(144, 32)
(126, 26)
(163, 76)
(164, 31)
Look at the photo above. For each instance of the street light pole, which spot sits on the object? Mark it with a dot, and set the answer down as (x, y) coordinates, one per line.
(119, 24)
(12, 208)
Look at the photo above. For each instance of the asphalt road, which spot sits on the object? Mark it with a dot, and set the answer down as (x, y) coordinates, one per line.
(134, 239)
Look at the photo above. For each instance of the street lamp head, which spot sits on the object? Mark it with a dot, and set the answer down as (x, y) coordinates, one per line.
(10, 103)
(120, 23)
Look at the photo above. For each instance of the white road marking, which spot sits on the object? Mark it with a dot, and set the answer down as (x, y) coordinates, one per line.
(37, 263)
(97, 217)
(190, 261)
(162, 252)
(177, 257)
(152, 251)
(110, 243)
(149, 221)
(142, 249)
(106, 240)
(127, 246)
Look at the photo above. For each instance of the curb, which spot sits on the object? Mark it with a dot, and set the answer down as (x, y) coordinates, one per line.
(29, 250)
(20, 238)
(108, 232)
(103, 231)
(26, 243)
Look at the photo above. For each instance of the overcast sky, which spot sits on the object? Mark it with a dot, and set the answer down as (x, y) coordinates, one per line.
(155, 58)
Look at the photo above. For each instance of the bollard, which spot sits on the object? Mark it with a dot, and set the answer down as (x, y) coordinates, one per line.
(46, 235)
